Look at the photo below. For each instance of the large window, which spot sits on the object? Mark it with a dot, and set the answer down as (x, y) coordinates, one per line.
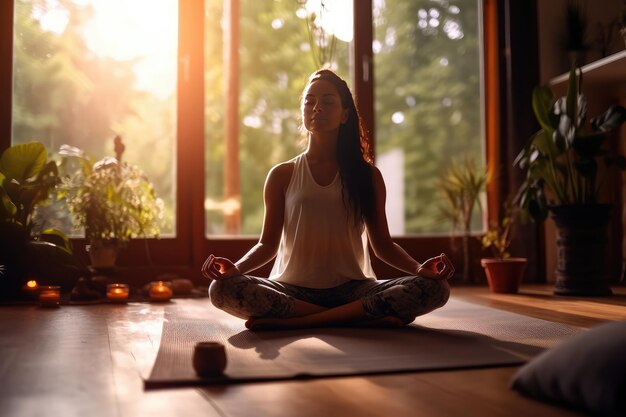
(428, 112)
(205, 94)
(85, 71)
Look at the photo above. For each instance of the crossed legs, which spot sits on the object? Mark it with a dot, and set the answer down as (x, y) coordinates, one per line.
(268, 304)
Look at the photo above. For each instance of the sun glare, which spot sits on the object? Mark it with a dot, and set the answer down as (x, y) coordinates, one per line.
(144, 31)
(140, 30)
(336, 17)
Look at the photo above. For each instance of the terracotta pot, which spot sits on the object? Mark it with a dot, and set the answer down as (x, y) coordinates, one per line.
(504, 275)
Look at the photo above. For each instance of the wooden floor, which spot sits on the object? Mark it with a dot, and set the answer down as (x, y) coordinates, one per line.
(88, 361)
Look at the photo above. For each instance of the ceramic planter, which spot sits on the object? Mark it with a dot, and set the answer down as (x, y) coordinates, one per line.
(504, 275)
(582, 239)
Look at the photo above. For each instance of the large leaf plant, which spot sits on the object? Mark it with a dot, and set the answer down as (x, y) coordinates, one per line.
(27, 179)
(562, 159)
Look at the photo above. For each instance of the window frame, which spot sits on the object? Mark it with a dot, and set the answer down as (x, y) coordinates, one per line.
(185, 253)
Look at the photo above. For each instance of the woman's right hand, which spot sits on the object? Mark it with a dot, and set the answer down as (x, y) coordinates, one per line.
(219, 268)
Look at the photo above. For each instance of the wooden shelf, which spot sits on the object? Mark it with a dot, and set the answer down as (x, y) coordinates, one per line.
(610, 70)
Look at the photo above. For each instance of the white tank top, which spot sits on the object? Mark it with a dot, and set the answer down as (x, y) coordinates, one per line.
(320, 246)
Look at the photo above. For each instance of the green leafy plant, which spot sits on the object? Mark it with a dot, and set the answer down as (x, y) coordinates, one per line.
(111, 199)
(497, 238)
(27, 180)
(562, 159)
(462, 185)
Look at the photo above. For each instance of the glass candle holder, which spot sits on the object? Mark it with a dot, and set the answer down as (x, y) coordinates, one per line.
(160, 291)
(49, 295)
(30, 290)
(117, 293)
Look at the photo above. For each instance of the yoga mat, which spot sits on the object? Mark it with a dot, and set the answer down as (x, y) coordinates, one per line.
(458, 336)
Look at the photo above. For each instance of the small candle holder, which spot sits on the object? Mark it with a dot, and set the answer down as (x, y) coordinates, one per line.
(49, 295)
(117, 293)
(160, 291)
(30, 290)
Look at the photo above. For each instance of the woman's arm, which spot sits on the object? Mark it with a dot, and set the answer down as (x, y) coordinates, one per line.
(391, 253)
(265, 250)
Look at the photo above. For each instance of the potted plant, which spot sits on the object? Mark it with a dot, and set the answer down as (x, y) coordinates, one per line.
(112, 200)
(462, 185)
(27, 179)
(566, 165)
(504, 273)
(576, 32)
(622, 24)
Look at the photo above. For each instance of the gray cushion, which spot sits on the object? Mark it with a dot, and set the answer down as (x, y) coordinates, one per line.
(586, 372)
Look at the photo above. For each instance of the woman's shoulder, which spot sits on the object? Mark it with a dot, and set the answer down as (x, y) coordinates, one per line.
(282, 172)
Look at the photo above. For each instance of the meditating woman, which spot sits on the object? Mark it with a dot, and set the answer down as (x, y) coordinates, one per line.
(321, 209)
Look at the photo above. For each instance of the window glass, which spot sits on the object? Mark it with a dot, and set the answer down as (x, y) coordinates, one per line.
(279, 44)
(88, 70)
(428, 103)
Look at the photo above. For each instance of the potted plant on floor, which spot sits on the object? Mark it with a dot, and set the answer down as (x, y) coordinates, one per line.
(27, 179)
(566, 165)
(504, 273)
(462, 185)
(112, 200)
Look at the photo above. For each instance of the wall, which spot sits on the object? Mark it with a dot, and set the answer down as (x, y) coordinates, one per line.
(553, 57)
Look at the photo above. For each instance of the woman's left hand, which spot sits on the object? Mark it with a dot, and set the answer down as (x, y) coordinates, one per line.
(439, 267)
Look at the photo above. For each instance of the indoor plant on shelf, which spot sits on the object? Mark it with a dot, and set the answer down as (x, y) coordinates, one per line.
(576, 32)
(504, 273)
(111, 199)
(564, 176)
(27, 251)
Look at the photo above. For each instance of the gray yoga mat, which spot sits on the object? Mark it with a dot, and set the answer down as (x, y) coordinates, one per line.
(460, 335)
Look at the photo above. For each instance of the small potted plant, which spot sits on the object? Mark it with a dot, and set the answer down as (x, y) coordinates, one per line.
(462, 185)
(576, 32)
(112, 200)
(622, 24)
(504, 273)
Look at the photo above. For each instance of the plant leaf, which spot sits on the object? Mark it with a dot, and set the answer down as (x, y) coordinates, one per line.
(610, 119)
(23, 161)
(542, 105)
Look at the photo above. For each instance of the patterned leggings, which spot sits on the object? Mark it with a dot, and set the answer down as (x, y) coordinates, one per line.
(405, 298)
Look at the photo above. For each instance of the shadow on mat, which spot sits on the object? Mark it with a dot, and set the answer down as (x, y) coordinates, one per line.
(332, 343)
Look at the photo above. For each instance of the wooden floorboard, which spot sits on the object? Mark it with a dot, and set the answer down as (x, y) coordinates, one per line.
(88, 361)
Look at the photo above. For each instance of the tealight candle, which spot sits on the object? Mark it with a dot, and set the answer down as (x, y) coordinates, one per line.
(160, 291)
(31, 289)
(117, 293)
(49, 295)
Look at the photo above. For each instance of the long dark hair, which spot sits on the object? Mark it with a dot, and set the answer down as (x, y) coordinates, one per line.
(354, 153)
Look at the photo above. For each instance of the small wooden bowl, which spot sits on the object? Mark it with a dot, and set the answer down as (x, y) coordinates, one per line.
(209, 358)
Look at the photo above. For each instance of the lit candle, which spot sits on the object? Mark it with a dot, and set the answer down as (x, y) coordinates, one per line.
(160, 291)
(49, 296)
(117, 293)
(31, 289)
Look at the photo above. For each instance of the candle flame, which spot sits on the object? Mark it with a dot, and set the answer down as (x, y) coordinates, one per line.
(31, 284)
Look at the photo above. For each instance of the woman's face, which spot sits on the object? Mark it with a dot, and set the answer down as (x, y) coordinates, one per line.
(321, 108)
